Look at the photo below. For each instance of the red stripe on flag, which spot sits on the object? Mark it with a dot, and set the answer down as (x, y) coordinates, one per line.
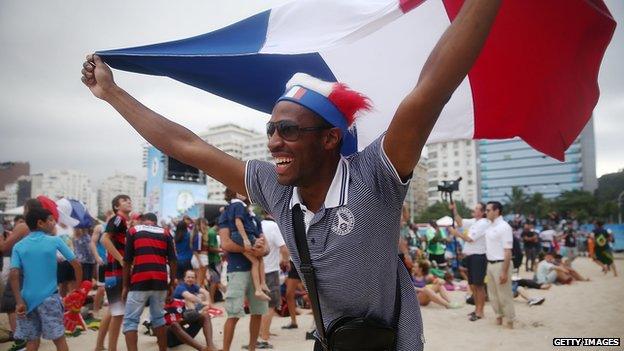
(151, 275)
(408, 5)
(146, 242)
(537, 75)
(143, 259)
(299, 94)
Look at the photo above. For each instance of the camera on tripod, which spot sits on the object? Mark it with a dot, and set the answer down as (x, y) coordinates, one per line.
(449, 186)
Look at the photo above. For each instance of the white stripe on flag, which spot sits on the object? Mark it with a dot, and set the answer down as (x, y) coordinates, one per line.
(311, 25)
(385, 66)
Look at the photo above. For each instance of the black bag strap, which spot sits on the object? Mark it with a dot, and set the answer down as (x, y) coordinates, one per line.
(309, 277)
(308, 271)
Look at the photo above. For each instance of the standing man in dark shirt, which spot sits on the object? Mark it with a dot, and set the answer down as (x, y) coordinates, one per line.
(239, 278)
(114, 240)
(531, 246)
(569, 242)
(149, 249)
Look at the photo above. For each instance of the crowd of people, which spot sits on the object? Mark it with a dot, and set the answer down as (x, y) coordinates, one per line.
(175, 270)
(488, 252)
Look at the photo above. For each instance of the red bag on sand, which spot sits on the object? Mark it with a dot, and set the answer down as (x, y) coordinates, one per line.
(73, 302)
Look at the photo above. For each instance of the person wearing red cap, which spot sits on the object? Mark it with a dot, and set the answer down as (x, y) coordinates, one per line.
(344, 195)
(20, 231)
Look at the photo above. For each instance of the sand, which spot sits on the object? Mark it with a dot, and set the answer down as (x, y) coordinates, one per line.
(583, 309)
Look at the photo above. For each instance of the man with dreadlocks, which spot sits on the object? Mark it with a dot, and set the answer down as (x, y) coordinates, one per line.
(351, 201)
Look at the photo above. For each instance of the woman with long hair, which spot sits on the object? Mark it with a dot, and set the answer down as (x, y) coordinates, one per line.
(199, 244)
(183, 248)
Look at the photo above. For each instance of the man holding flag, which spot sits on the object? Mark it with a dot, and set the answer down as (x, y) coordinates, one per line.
(351, 203)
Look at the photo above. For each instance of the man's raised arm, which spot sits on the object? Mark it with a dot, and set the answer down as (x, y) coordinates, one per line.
(447, 65)
(169, 137)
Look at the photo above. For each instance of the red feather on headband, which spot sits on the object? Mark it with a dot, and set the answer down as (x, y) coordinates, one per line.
(348, 101)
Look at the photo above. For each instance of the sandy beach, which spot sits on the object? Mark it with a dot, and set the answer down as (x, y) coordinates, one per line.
(583, 309)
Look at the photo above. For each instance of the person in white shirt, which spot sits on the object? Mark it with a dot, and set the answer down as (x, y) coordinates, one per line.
(498, 244)
(277, 258)
(473, 233)
(547, 238)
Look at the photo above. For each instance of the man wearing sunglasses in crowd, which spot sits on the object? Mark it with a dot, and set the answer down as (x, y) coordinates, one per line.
(351, 201)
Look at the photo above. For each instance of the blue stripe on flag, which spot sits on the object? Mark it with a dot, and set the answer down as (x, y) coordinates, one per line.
(244, 37)
(225, 62)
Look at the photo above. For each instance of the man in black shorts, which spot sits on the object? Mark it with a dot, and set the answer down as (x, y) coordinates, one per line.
(114, 240)
(292, 282)
(472, 231)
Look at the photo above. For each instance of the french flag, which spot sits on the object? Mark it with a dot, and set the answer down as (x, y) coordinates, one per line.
(536, 77)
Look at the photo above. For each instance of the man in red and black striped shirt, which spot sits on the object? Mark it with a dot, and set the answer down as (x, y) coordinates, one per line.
(149, 249)
(114, 240)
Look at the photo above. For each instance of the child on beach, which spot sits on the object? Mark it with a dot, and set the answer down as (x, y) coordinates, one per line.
(38, 305)
(245, 231)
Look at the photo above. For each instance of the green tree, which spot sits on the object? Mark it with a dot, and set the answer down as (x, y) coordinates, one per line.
(440, 209)
(583, 203)
(608, 210)
(517, 200)
(538, 205)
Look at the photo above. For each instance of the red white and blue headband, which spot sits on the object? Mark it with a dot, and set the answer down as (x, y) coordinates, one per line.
(334, 102)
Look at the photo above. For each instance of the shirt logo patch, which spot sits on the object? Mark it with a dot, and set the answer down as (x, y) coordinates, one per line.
(344, 221)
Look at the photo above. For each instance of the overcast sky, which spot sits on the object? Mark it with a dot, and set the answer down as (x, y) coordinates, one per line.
(47, 117)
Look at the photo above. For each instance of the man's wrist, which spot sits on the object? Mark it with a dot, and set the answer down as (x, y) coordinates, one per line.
(111, 93)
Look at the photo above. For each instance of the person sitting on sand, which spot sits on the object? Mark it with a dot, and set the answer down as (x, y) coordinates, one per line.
(549, 272)
(195, 297)
(523, 293)
(429, 288)
(183, 325)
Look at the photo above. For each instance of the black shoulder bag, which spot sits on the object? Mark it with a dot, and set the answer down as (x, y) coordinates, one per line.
(344, 333)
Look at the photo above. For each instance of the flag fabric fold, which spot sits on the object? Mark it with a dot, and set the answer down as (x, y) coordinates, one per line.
(536, 77)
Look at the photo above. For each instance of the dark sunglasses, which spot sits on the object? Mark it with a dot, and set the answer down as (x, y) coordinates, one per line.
(290, 131)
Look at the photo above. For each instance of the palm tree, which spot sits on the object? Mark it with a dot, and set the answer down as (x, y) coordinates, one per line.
(517, 201)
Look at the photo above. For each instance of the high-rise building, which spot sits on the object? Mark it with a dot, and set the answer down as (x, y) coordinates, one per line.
(8, 197)
(255, 148)
(10, 171)
(67, 183)
(24, 189)
(120, 183)
(448, 161)
(231, 139)
(416, 198)
(513, 163)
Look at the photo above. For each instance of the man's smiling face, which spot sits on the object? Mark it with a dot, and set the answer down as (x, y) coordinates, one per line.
(297, 161)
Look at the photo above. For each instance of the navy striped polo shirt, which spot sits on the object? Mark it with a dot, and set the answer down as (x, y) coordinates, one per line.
(353, 239)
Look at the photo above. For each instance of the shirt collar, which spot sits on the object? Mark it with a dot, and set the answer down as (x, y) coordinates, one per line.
(237, 200)
(338, 192)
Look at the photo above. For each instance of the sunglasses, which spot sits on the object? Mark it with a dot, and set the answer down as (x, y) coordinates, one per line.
(290, 131)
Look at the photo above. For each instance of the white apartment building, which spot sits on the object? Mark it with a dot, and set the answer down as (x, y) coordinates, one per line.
(256, 148)
(120, 183)
(416, 198)
(450, 160)
(231, 139)
(65, 183)
(8, 196)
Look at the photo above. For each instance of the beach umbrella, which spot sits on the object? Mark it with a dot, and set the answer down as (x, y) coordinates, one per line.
(81, 213)
(536, 77)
